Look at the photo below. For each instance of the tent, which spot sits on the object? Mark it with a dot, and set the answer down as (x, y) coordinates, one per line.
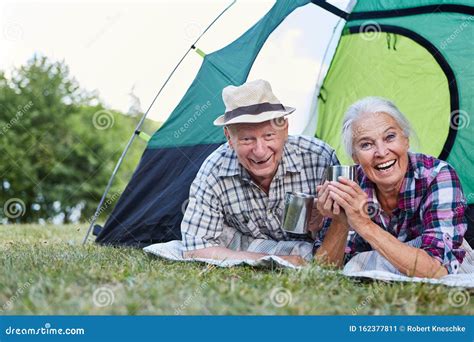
(418, 53)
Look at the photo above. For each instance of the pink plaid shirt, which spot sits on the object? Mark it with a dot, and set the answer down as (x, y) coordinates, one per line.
(431, 208)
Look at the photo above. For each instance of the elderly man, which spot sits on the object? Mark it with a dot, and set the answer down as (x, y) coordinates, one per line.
(237, 198)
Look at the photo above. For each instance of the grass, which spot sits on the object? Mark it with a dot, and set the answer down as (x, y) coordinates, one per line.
(46, 271)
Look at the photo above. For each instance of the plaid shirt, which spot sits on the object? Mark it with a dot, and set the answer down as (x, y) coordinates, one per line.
(226, 208)
(431, 205)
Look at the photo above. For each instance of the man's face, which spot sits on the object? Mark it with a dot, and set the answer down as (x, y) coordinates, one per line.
(259, 147)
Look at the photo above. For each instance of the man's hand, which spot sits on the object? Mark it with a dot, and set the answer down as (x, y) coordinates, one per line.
(293, 259)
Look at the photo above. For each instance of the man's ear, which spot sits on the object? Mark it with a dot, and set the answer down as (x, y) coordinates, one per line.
(227, 135)
(286, 128)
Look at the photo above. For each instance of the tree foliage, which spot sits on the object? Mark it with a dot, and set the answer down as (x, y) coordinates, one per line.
(59, 145)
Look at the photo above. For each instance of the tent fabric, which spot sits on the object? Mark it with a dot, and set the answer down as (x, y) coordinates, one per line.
(398, 5)
(450, 34)
(150, 208)
(381, 65)
(202, 103)
(416, 41)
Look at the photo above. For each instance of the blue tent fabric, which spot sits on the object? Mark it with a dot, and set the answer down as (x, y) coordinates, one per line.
(150, 209)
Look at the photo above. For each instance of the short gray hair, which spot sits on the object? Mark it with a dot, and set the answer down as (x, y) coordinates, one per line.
(368, 105)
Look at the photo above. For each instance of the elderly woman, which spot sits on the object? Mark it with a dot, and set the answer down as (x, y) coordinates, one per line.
(408, 207)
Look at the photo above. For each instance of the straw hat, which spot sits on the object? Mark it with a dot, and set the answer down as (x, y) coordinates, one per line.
(252, 102)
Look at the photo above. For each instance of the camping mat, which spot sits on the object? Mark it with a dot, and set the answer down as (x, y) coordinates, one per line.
(356, 267)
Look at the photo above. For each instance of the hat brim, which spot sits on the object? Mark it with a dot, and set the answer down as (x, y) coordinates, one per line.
(254, 118)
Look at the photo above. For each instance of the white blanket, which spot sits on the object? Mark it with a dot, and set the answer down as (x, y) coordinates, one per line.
(356, 267)
(173, 250)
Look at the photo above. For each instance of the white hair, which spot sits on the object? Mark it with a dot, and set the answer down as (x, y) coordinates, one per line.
(370, 105)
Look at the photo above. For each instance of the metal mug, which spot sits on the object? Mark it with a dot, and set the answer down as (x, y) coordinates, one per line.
(297, 213)
(347, 171)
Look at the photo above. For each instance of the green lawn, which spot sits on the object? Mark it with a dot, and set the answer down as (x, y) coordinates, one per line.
(46, 271)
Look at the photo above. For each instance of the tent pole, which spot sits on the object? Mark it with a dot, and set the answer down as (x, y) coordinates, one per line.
(139, 125)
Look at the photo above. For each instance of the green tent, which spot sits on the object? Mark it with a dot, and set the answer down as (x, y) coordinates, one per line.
(419, 53)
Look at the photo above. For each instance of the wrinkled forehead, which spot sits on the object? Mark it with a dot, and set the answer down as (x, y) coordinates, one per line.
(372, 125)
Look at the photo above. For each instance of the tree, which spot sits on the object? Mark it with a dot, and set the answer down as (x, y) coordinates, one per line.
(59, 146)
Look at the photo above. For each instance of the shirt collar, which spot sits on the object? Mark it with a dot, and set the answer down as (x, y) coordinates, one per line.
(291, 162)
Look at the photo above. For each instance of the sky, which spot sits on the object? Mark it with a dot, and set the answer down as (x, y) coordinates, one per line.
(116, 46)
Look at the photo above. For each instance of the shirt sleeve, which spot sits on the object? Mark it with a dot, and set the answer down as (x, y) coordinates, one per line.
(334, 160)
(203, 220)
(444, 220)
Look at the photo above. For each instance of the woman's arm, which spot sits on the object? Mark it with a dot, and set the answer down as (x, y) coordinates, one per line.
(408, 260)
(335, 239)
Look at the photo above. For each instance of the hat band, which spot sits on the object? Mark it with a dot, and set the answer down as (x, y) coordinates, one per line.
(253, 110)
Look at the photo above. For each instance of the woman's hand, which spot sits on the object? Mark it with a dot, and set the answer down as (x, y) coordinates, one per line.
(349, 196)
(327, 206)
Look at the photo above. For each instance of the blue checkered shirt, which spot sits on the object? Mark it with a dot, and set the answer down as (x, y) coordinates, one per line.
(226, 208)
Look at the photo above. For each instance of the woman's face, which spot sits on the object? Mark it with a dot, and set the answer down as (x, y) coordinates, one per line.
(381, 148)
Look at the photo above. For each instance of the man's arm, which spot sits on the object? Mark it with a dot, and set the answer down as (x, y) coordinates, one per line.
(223, 253)
(332, 249)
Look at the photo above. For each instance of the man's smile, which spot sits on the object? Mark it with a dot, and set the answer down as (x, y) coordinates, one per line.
(260, 162)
